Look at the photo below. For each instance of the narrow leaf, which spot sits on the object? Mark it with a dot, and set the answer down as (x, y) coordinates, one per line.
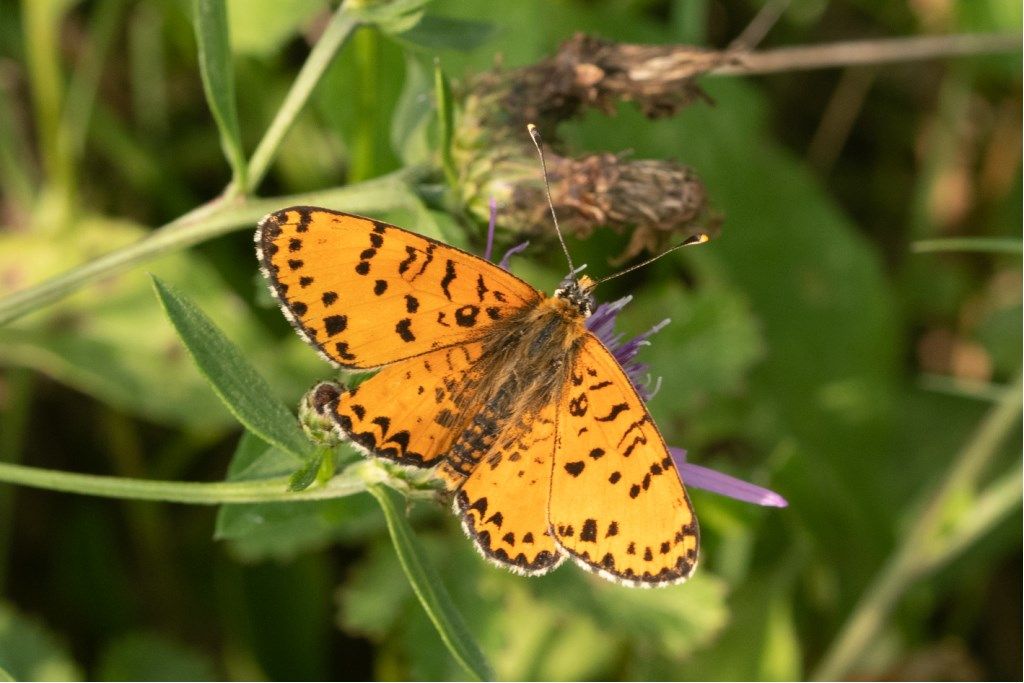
(445, 116)
(428, 587)
(215, 67)
(434, 32)
(243, 390)
(993, 245)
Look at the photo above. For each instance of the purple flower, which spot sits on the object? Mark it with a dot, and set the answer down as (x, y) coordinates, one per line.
(602, 324)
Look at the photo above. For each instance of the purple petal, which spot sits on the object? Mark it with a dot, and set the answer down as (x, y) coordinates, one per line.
(512, 252)
(491, 222)
(711, 480)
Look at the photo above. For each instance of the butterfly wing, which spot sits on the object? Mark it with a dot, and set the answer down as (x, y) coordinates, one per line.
(503, 502)
(618, 506)
(365, 293)
(408, 412)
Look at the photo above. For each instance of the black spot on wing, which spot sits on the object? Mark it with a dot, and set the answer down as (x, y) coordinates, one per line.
(403, 329)
(448, 279)
(335, 324)
(616, 410)
(575, 468)
(466, 315)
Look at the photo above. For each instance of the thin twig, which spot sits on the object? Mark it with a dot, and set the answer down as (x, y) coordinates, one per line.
(880, 51)
(759, 26)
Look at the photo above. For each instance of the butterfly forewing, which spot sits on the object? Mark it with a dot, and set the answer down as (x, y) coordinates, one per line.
(617, 503)
(366, 293)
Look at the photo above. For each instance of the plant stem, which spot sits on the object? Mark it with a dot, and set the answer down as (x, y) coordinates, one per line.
(882, 51)
(995, 245)
(334, 36)
(210, 220)
(914, 557)
(13, 426)
(195, 493)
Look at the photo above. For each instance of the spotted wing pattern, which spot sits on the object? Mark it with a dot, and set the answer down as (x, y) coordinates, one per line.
(408, 411)
(365, 293)
(503, 502)
(618, 506)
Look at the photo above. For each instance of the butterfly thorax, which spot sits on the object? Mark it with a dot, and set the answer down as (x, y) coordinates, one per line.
(523, 366)
(574, 296)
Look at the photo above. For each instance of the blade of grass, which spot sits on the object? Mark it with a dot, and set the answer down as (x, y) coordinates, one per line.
(13, 428)
(243, 390)
(85, 81)
(912, 559)
(41, 24)
(443, 98)
(275, 490)
(334, 36)
(994, 245)
(428, 587)
(207, 222)
(210, 18)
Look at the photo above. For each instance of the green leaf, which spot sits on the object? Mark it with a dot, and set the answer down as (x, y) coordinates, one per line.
(123, 346)
(391, 16)
(445, 117)
(428, 587)
(260, 29)
(304, 477)
(433, 33)
(243, 390)
(258, 531)
(152, 657)
(30, 652)
(211, 26)
(413, 114)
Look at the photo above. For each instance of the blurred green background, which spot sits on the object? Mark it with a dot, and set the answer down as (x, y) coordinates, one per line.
(814, 350)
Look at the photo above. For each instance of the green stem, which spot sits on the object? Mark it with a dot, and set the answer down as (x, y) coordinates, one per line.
(195, 493)
(206, 222)
(334, 36)
(998, 500)
(994, 245)
(40, 24)
(367, 48)
(912, 558)
(13, 426)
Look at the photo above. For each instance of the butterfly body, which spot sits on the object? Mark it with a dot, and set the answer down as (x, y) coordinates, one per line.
(528, 419)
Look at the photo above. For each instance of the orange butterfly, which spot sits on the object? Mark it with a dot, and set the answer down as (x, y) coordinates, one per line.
(530, 421)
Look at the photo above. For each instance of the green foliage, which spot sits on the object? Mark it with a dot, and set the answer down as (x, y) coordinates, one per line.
(242, 389)
(152, 657)
(30, 652)
(852, 339)
(211, 22)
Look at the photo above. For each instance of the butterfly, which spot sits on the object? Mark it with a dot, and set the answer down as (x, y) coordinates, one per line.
(538, 433)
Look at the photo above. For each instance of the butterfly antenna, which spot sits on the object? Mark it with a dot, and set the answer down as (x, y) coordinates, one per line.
(690, 241)
(535, 136)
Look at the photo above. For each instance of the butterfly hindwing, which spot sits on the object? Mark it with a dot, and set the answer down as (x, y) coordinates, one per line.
(408, 412)
(366, 293)
(617, 503)
(503, 502)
